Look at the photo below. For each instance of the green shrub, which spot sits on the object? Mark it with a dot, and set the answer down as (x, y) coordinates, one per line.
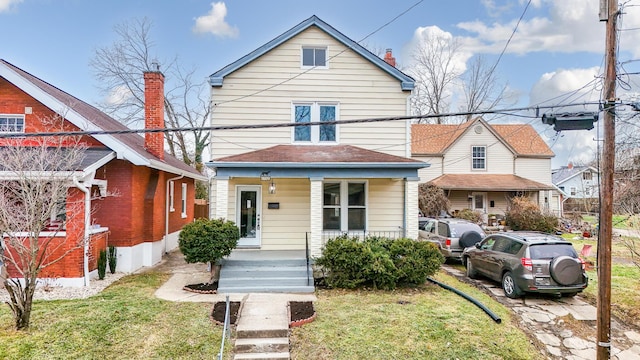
(113, 259)
(102, 264)
(380, 262)
(208, 240)
(470, 215)
(524, 214)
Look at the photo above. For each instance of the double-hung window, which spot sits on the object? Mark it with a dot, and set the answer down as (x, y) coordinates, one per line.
(313, 112)
(11, 123)
(184, 200)
(171, 196)
(478, 158)
(314, 57)
(345, 206)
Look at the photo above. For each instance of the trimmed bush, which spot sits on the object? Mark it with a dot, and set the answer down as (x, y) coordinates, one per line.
(208, 240)
(102, 264)
(113, 259)
(524, 214)
(379, 262)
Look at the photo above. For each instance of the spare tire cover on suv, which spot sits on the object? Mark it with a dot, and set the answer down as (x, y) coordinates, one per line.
(566, 270)
(469, 238)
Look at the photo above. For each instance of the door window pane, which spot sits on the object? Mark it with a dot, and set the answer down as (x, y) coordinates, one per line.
(248, 214)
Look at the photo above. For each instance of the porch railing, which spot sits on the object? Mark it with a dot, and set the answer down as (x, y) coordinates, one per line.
(226, 329)
(361, 235)
(308, 256)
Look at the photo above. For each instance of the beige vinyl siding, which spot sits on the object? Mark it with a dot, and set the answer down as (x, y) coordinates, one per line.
(499, 159)
(359, 88)
(431, 172)
(534, 169)
(385, 205)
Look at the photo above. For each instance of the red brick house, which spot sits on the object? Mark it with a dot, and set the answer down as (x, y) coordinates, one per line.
(134, 195)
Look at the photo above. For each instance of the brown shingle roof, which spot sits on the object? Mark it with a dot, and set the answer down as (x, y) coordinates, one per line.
(488, 182)
(317, 154)
(436, 138)
(102, 121)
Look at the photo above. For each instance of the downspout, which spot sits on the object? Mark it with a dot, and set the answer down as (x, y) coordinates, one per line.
(166, 214)
(404, 208)
(87, 221)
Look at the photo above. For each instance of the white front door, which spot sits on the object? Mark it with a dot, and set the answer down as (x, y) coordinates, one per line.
(249, 205)
(480, 202)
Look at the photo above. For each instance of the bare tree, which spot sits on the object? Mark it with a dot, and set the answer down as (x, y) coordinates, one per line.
(33, 190)
(435, 73)
(481, 87)
(119, 68)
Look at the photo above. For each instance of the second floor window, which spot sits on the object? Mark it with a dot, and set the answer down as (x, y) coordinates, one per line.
(587, 175)
(11, 123)
(478, 158)
(314, 57)
(314, 112)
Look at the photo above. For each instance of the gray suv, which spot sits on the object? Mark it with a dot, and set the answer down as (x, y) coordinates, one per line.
(451, 235)
(527, 262)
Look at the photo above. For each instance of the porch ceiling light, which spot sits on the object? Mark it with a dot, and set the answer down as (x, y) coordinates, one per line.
(265, 176)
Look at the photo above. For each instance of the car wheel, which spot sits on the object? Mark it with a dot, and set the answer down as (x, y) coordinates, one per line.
(511, 289)
(471, 272)
(566, 270)
(469, 238)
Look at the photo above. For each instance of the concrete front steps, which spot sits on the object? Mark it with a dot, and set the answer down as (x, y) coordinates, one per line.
(256, 271)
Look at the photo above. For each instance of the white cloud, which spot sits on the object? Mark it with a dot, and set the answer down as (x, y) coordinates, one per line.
(6, 5)
(118, 95)
(214, 22)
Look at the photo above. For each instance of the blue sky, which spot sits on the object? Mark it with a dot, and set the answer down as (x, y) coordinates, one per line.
(558, 47)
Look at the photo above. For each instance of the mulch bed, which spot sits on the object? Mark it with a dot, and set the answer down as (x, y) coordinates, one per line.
(302, 312)
(202, 288)
(219, 308)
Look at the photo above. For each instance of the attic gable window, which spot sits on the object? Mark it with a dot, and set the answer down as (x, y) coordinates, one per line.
(478, 158)
(314, 57)
(587, 175)
(11, 123)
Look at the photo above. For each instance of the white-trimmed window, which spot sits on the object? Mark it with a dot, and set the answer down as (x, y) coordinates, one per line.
(314, 56)
(587, 175)
(172, 196)
(478, 158)
(184, 200)
(572, 191)
(345, 206)
(11, 123)
(314, 112)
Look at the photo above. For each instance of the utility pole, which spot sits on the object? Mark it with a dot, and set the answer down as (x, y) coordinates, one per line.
(606, 203)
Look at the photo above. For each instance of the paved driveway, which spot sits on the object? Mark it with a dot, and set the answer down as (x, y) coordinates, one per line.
(564, 328)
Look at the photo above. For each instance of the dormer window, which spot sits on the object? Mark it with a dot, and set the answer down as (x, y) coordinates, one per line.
(11, 123)
(314, 57)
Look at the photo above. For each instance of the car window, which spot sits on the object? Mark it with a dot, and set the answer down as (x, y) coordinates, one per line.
(487, 244)
(458, 229)
(501, 244)
(550, 251)
(443, 230)
(513, 248)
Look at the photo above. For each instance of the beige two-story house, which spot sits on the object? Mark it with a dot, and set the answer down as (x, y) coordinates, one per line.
(294, 164)
(481, 166)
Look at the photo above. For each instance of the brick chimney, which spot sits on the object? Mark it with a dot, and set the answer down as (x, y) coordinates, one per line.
(389, 59)
(154, 112)
(570, 166)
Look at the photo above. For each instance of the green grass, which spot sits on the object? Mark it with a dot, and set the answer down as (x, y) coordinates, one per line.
(433, 323)
(125, 321)
(618, 221)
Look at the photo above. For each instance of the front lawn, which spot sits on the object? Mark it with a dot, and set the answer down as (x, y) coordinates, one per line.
(424, 323)
(125, 321)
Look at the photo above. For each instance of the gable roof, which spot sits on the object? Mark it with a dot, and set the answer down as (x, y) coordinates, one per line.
(565, 173)
(128, 146)
(407, 82)
(436, 139)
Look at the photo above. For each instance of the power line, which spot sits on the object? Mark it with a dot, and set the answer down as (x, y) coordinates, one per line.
(279, 125)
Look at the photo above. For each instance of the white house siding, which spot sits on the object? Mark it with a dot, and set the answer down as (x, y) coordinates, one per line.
(431, 172)
(534, 169)
(581, 186)
(386, 205)
(360, 89)
(458, 158)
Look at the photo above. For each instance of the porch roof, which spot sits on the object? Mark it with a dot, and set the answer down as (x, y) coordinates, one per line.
(488, 182)
(317, 161)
